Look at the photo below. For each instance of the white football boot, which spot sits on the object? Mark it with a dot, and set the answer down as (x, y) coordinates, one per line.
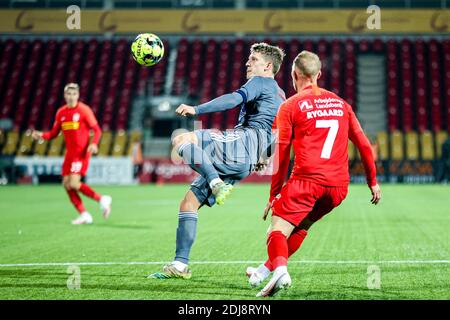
(84, 218)
(280, 280)
(105, 205)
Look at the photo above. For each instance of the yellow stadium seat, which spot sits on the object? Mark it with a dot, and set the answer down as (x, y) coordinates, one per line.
(412, 145)
(383, 145)
(441, 136)
(351, 150)
(56, 146)
(427, 145)
(40, 147)
(12, 139)
(2, 137)
(120, 141)
(135, 136)
(105, 143)
(397, 151)
(26, 142)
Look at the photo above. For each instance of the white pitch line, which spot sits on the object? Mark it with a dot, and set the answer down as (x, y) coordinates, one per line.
(56, 264)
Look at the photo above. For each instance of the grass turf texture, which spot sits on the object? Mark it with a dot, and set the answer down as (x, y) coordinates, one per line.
(410, 223)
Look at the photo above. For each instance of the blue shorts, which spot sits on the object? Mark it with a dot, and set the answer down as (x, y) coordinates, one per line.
(233, 154)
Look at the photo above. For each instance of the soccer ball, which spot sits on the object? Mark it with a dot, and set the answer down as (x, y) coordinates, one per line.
(147, 49)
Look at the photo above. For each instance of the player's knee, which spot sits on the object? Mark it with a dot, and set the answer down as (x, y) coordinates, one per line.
(183, 139)
(66, 185)
(187, 206)
(74, 185)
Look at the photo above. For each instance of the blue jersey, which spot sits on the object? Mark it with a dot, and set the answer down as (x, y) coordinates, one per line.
(261, 99)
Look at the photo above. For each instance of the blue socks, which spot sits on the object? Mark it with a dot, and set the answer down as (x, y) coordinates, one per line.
(198, 160)
(186, 232)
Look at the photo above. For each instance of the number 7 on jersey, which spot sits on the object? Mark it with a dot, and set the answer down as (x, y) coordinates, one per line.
(333, 125)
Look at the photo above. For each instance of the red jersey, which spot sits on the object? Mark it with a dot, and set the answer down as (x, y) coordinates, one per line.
(318, 124)
(75, 124)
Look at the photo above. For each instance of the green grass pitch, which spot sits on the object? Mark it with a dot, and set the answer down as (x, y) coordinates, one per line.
(405, 237)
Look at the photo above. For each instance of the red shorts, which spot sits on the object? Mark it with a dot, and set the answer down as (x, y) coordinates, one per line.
(300, 199)
(75, 165)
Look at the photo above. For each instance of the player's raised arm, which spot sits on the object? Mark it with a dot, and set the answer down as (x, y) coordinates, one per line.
(222, 103)
(361, 142)
(248, 92)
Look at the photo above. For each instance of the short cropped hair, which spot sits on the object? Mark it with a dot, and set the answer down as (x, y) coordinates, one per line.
(272, 53)
(308, 63)
(72, 85)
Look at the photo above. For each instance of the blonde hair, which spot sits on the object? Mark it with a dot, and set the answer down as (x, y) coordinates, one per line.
(272, 53)
(308, 63)
(70, 86)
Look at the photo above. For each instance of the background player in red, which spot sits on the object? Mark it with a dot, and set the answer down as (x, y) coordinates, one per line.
(75, 120)
(318, 124)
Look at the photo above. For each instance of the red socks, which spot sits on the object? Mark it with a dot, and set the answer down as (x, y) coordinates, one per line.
(294, 242)
(89, 192)
(277, 248)
(76, 200)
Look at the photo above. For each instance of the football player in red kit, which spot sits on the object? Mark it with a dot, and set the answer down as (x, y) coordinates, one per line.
(318, 124)
(75, 120)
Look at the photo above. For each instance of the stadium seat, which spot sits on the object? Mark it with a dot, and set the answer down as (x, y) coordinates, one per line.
(349, 80)
(88, 69)
(5, 64)
(406, 75)
(40, 148)
(397, 150)
(446, 88)
(440, 138)
(13, 84)
(12, 139)
(134, 136)
(43, 81)
(420, 89)
(393, 86)
(105, 143)
(427, 145)
(34, 65)
(412, 145)
(76, 56)
(383, 145)
(56, 146)
(2, 138)
(435, 68)
(25, 145)
(120, 141)
(55, 95)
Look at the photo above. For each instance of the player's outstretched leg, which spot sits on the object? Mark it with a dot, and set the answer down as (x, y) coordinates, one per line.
(74, 182)
(84, 217)
(186, 234)
(278, 255)
(194, 156)
(105, 200)
(259, 274)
